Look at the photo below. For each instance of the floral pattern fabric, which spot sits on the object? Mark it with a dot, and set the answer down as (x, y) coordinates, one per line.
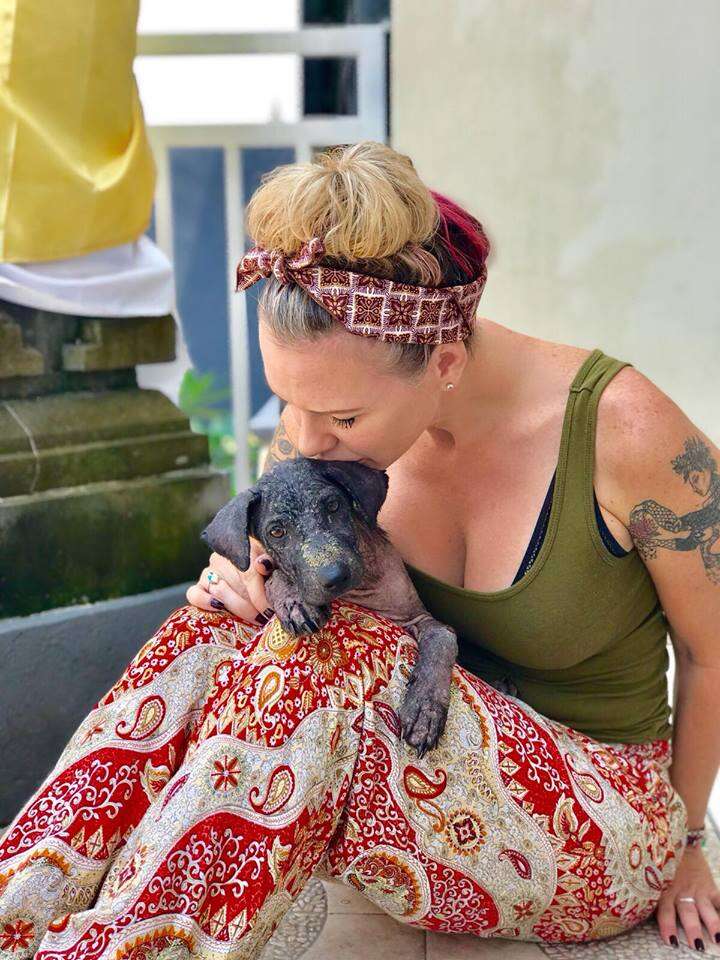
(371, 306)
(230, 763)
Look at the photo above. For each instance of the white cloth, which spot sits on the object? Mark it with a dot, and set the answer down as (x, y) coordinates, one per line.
(131, 280)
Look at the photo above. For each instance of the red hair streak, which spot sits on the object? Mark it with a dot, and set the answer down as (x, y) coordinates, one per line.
(468, 246)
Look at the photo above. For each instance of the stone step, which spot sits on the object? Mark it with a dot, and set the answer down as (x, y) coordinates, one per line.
(69, 439)
(101, 540)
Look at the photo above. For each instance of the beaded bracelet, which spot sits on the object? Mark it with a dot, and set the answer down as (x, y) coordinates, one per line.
(696, 837)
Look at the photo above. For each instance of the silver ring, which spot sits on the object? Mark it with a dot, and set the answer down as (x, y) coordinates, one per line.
(688, 899)
(213, 577)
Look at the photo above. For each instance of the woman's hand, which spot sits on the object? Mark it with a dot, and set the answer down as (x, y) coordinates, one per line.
(240, 592)
(692, 879)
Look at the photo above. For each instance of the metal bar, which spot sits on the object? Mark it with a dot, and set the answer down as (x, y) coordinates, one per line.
(371, 84)
(237, 316)
(273, 134)
(313, 41)
(163, 196)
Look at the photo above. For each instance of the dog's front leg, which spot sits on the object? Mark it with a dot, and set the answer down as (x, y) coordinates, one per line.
(424, 710)
(295, 614)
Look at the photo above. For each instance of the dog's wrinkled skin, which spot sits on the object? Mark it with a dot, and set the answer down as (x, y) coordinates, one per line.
(317, 519)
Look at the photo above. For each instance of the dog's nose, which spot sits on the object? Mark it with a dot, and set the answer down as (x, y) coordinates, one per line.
(333, 574)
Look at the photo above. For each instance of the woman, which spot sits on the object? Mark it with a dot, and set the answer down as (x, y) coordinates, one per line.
(232, 760)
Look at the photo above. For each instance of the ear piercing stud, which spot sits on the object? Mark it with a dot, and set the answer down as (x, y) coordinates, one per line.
(449, 386)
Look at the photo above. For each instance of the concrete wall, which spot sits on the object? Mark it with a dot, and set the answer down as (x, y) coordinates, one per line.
(585, 137)
(56, 666)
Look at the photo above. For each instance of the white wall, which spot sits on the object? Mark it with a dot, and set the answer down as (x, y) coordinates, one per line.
(586, 138)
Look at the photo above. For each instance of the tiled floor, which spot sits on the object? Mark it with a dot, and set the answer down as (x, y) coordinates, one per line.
(353, 932)
(353, 928)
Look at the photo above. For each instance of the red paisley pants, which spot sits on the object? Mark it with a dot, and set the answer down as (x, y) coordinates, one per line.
(230, 763)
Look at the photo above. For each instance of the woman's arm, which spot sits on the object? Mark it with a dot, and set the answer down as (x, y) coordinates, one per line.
(283, 443)
(696, 756)
(693, 897)
(658, 467)
(660, 474)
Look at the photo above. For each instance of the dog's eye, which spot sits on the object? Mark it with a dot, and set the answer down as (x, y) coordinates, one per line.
(276, 532)
(332, 505)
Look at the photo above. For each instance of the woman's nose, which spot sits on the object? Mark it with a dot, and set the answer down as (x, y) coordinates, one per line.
(313, 441)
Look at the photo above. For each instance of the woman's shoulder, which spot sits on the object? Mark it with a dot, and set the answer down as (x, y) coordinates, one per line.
(632, 416)
(629, 402)
(559, 363)
(554, 365)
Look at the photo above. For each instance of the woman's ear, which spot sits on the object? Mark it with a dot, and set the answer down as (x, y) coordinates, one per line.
(448, 361)
(228, 532)
(366, 487)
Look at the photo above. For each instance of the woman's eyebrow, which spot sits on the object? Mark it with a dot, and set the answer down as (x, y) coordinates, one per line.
(322, 412)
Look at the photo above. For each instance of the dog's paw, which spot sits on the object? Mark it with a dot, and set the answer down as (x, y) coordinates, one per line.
(423, 712)
(298, 617)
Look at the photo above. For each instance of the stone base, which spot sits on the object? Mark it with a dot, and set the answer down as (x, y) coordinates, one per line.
(42, 352)
(101, 540)
(68, 439)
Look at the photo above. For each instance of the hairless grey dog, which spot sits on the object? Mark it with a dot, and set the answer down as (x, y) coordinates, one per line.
(317, 519)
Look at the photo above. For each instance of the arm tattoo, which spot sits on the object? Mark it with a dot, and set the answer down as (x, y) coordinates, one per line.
(652, 522)
(281, 446)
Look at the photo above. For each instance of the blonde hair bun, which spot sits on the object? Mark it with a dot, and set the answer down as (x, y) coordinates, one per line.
(376, 217)
(365, 200)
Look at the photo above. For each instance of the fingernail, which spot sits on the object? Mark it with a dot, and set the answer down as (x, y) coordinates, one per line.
(217, 604)
(674, 940)
(699, 944)
(268, 612)
(261, 619)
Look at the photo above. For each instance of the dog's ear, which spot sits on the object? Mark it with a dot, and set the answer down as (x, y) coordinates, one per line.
(366, 487)
(228, 532)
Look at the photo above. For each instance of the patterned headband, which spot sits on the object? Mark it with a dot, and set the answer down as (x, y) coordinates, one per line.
(371, 306)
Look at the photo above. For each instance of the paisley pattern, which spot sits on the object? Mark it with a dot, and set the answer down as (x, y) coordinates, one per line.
(279, 790)
(149, 717)
(230, 763)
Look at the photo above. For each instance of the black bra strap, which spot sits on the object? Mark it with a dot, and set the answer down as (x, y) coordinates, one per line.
(541, 529)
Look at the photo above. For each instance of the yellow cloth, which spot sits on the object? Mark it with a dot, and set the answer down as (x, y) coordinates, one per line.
(76, 172)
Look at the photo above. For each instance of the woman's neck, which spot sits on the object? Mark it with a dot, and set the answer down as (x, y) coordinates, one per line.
(490, 389)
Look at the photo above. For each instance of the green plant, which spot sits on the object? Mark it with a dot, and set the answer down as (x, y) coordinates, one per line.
(208, 408)
(199, 395)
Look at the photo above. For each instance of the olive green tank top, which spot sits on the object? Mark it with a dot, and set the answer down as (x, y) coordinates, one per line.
(582, 633)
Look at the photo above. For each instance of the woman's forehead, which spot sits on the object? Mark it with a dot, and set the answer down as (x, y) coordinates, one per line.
(322, 376)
